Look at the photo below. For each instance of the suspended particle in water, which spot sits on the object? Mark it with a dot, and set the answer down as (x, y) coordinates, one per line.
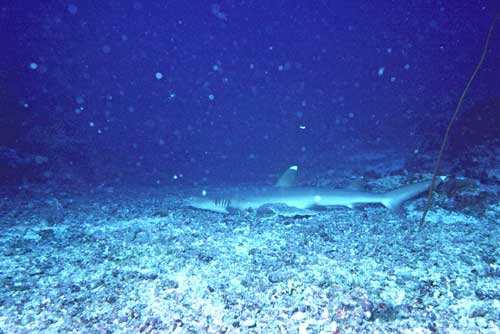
(72, 8)
(158, 75)
(33, 66)
(216, 11)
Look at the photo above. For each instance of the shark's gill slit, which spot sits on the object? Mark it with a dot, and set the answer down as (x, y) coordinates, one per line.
(222, 203)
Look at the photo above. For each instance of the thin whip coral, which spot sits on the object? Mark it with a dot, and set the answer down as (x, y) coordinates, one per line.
(452, 121)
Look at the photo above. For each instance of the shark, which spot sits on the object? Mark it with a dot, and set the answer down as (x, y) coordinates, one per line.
(284, 192)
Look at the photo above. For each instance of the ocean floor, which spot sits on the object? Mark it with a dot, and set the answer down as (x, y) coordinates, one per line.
(139, 261)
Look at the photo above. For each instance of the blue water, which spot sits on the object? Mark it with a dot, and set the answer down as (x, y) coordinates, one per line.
(149, 90)
(107, 102)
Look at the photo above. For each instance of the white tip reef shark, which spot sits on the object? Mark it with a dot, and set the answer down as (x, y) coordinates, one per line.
(285, 193)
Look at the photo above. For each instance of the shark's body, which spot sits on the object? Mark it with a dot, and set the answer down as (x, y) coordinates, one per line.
(284, 193)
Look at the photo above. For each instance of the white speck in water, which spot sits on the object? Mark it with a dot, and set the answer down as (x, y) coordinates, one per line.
(211, 97)
(91, 124)
(158, 75)
(407, 66)
(218, 13)
(203, 192)
(33, 66)
(381, 71)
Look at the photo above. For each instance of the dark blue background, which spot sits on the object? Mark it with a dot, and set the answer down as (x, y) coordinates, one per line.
(272, 67)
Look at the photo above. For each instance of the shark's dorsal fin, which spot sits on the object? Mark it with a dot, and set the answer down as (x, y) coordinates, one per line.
(288, 177)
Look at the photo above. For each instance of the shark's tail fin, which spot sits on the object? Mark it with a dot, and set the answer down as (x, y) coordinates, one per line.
(393, 199)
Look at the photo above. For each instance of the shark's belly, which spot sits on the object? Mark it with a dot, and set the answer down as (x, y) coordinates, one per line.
(257, 202)
(306, 201)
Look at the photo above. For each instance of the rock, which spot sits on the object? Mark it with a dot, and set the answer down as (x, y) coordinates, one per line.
(46, 234)
(276, 277)
(481, 322)
(74, 288)
(149, 276)
(247, 323)
(298, 316)
(171, 284)
(478, 312)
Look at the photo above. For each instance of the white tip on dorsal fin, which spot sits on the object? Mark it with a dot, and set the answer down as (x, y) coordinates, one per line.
(288, 177)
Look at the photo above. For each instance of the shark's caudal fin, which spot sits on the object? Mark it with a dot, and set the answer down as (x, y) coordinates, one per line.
(393, 199)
